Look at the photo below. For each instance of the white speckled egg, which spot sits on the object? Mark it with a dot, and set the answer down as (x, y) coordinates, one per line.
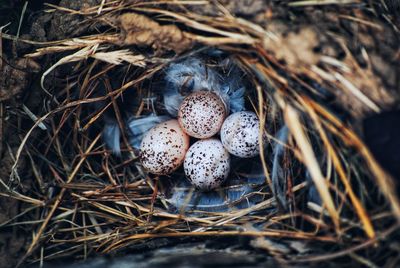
(239, 134)
(201, 114)
(163, 148)
(207, 164)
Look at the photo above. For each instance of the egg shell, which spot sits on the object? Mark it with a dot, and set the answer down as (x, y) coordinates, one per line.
(239, 134)
(207, 164)
(163, 148)
(201, 114)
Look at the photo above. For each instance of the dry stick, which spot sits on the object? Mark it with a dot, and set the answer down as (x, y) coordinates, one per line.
(293, 122)
(362, 214)
(57, 202)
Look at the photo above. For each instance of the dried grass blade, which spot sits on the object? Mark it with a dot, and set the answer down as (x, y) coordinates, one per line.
(56, 203)
(362, 214)
(79, 55)
(384, 180)
(113, 211)
(279, 234)
(239, 38)
(293, 122)
(118, 56)
(261, 116)
(322, 2)
(243, 212)
(357, 93)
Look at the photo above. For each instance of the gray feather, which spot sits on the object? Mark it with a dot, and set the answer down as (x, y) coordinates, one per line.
(192, 75)
(277, 174)
(139, 126)
(111, 136)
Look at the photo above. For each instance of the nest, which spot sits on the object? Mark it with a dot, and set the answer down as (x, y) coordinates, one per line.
(321, 185)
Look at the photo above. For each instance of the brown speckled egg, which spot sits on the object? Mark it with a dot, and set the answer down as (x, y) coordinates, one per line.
(163, 148)
(207, 164)
(239, 134)
(201, 114)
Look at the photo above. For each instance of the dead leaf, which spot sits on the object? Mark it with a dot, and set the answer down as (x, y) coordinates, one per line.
(143, 31)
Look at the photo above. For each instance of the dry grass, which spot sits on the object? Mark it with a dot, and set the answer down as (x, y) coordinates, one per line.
(103, 203)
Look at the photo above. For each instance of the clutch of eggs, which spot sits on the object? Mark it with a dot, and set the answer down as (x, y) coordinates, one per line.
(207, 162)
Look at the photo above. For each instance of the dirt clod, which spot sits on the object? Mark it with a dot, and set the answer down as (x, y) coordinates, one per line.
(15, 77)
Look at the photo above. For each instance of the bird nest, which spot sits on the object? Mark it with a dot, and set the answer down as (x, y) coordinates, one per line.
(315, 182)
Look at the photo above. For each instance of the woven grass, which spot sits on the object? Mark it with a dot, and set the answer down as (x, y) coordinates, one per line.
(84, 199)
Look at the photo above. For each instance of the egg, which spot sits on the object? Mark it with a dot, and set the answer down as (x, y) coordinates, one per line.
(239, 134)
(207, 164)
(163, 148)
(201, 114)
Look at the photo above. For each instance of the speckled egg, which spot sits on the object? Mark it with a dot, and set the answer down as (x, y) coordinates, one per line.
(207, 164)
(201, 114)
(163, 148)
(239, 134)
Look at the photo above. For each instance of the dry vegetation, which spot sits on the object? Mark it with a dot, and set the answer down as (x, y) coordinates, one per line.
(76, 198)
